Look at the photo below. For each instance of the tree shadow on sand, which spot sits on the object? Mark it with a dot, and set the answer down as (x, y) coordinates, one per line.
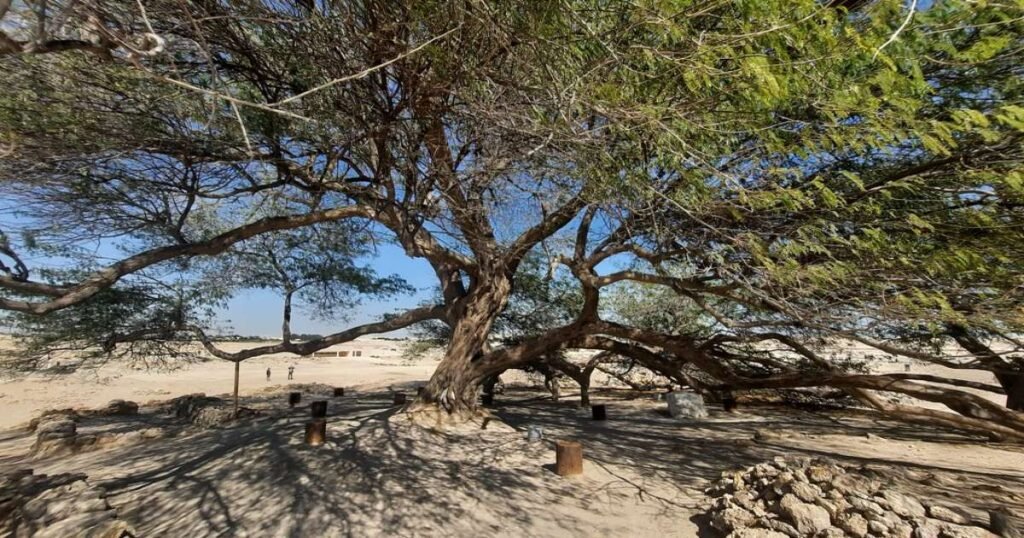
(379, 474)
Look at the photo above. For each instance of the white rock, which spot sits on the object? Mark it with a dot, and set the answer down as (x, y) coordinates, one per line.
(942, 513)
(903, 505)
(854, 524)
(831, 532)
(756, 533)
(686, 405)
(927, 529)
(807, 518)
(866, 507)
(806, 492)
(731, 519)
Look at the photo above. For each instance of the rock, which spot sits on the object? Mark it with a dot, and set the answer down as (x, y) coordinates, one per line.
(865, 507)
(948, 515)
(62, 427)
(115, 529)
(51, 506)
(732, 519)
(764, 470)
(927, 529)
(903, 505)
(878, 527)
(951, 530)
(832, 532)
(744, 499)
(819, 473)
(781, 526)
(902, 530)
(851, 483)
(806, 492)
(834, 507)
(121, 407)
(152, 433)
(809, 519)
(854, 524)
(756, 533)
(686, 405)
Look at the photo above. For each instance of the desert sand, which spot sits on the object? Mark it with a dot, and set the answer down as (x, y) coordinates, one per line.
(381, 475)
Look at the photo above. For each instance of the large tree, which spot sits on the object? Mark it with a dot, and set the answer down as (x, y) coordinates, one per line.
(798, 171)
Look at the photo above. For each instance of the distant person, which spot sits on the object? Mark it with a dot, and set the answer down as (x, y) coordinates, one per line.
(268, 374)
(291, 372)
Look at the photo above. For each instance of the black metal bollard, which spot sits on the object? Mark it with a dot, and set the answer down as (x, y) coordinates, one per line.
(599, 412)
(294, 398)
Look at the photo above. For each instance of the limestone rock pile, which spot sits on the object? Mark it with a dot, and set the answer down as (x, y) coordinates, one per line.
(56, 506)
(790, 498)
(205, 411)
(57, 433)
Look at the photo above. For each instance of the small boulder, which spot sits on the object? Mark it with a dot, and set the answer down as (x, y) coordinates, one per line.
(866, 507)
(832, 532)
(780, 526)
(928, 528)
(806, 492)
(686, 405)
(732, 518)
(903, 505)
(121, 407)
(948, 515)
(854, 524)
(807, 518)
(819, 473)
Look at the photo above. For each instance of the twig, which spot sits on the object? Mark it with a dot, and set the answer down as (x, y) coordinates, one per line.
(910, 15)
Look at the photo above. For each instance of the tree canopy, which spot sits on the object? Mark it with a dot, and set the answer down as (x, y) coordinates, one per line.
(789, 172)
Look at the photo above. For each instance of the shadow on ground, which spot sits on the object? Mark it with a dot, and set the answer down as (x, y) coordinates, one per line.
(380, 475)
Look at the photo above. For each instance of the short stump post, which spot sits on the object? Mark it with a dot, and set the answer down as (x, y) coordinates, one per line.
(568, 458)
(319, 409)
(599, 412)
(419, 391)
(316, 432)
(487, 399)
(339, 392)
(399, 398)
(294, 398)
(729, 404)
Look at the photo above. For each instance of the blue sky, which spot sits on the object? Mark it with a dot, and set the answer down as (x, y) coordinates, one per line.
(259, 312)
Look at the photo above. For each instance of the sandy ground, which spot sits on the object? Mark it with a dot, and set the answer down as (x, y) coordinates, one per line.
(380, 365)
(380, 475)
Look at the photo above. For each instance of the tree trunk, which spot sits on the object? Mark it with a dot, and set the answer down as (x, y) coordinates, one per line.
(551, 382)
(1013, 384)
(453, 385)
(237, 365)
(584, 383)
